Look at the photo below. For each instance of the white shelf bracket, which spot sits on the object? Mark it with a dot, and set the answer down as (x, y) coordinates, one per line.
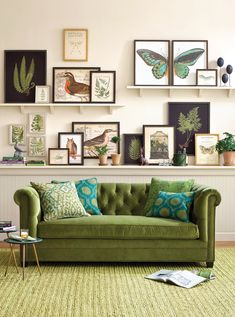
(229, 92)
(22, 109)
(141, 92)
(52, 109)
(199, 92)
(110, 109)
(169, 92)
(80, 109)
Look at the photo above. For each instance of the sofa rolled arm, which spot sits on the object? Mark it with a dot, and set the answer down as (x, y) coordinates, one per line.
(28, 200)
(205, 202)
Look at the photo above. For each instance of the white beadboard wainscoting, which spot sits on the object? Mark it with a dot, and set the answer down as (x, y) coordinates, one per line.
(222, 178)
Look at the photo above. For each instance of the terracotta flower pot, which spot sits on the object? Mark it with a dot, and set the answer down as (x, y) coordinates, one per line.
(116, 159)
(229, 158)
(103, 159)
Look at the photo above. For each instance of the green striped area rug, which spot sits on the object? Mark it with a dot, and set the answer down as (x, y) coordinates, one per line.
(109, 290)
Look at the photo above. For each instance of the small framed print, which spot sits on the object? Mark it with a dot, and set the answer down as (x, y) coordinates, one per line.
(37, 123)
(74, 143)
(133, 143)
(103, 86)
(75, 45)
(42, 94)
(158, 143)
(206, 77)
(205, 149)
(17, 134)
(37, 146)
(58, 156)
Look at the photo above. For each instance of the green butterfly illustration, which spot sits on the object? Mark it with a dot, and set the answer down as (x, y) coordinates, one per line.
(185, 59)
(207, 150)
(156, 60)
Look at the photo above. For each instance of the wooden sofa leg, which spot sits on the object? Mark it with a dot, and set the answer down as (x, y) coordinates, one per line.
(209, 264)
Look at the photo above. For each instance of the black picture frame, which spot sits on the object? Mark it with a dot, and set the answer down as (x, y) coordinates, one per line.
(143, 65)
(58, 150)
(93, 130)
(63, 92)
(206, 81)
(24, 69)
(103, 87)
(178, 111)
(132, 151)
(76, 151)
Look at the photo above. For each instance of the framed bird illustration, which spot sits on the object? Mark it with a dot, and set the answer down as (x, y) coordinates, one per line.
(187, 57)
(151, 58)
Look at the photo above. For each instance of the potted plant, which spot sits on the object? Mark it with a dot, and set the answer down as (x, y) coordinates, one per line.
(116, 157)
(102, 154)
(227, 147)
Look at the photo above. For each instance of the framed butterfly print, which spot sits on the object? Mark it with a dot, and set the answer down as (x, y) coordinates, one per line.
(151, 58)
(205, 150)
(187, 57)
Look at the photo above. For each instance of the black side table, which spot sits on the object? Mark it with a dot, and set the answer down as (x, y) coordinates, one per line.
(24, 242)
(12, 254)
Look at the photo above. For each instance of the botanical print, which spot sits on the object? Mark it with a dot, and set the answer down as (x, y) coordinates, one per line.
(132, 148)
(74, 143)
(37, 123)
(58, 156)
(103, 86)
(72, 85)
(23, 71)
(151, 62)
(188, 119)
(36, 146)
(205, 149)
(158, 143)
(42, 94)
(75, 44)
(97, 134)
(187, 57)
(17, 134)
(206, 77)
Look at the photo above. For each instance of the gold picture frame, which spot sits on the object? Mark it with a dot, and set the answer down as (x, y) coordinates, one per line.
(205, 149)
(75, 45)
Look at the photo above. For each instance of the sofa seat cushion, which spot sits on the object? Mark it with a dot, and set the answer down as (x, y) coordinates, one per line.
(118, 227)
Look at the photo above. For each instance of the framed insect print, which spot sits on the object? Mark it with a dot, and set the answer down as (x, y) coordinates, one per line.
(158, 143)
(24, 69)
(133, 143)
(206, 77)
(187, 57)
(73, 142)
(58, 156)
(205, 149)
(75, 45)
(103, 86)
(98, 134)
(72, 84)
(188, 118)
(151, 59)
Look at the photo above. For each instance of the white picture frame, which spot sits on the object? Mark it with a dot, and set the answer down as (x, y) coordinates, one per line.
(42, 94)
(75, 45)
(205, 149)
(17, 134)
(37, 123)
(36, 146)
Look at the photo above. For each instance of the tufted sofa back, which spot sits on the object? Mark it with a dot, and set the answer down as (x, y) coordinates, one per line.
(122, 198)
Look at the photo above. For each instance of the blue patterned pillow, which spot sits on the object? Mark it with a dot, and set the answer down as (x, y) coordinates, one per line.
(172, 205)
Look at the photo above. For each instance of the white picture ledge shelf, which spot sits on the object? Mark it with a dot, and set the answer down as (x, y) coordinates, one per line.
(171, 89)
(52, 106)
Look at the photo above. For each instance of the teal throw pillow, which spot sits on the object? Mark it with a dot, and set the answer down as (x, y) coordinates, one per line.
(172, 205)
(87, 193)
(59, 201)
(166, 186)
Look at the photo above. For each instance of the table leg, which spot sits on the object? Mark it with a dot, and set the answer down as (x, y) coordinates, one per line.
(36, 257)
(23, 259)
(14, 257)
(9, 260)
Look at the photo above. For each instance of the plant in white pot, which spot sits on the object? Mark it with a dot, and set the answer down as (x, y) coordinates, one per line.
(102, 152)
(227, 147)
(116, 157)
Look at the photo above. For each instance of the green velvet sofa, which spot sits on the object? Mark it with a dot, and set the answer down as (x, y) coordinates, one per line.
(123, 233)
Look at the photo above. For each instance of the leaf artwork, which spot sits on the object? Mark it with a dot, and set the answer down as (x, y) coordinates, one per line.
(37, 123)
(17, 136)
(22, 79)
(102, 88)
(134, 149)
(188, 124)
(37, 146)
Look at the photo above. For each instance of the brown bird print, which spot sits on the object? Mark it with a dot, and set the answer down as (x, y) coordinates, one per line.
(100, 140)
(72, 87)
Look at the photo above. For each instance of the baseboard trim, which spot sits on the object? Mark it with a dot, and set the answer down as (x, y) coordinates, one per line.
(225, 236)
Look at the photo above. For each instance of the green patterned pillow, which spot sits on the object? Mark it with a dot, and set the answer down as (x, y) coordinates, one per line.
(166, 186)
(59, 201)
(172, 205)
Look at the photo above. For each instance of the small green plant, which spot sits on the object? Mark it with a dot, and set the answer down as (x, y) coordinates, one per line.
(102, 150)
(22, 79)
(227, 144)
(115, 139)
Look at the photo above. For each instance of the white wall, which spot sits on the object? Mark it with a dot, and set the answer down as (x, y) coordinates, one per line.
(113, 25)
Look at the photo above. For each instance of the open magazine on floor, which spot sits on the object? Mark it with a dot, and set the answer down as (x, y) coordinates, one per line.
(184, 278)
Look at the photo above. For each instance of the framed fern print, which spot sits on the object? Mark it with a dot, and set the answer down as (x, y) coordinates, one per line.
(24, 69)
(151, 62)
(17, 134)
(133, 143)
(37, 123)
(188, 118)
(103, 86)
(205, 151)
(187, 57)
(36, 146)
